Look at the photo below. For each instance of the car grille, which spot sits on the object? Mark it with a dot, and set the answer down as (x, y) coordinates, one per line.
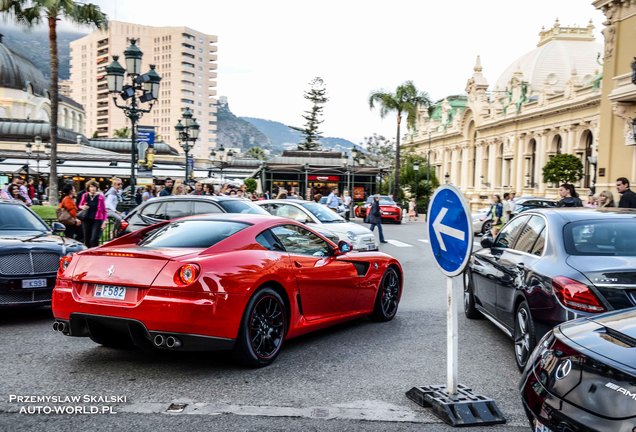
(29, 263)
(16, 297)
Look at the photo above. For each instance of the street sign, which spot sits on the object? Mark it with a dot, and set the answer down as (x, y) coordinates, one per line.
(146, 134)
(450, 230)
(450, 234)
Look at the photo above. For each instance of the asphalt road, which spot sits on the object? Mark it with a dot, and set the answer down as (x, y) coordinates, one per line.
(352, 377)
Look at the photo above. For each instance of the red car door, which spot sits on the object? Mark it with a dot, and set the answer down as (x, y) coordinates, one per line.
(328, 285)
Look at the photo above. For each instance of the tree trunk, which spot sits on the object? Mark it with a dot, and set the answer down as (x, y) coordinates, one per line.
(396, 185)
(53, 94)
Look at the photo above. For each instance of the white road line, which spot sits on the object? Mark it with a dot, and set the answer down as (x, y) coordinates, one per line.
(423, 240)
(399, 243)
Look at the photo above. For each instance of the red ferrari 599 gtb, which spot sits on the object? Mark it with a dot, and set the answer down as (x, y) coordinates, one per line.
(226, 281)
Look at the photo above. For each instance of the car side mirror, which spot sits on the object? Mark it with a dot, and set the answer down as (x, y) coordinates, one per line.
(487, 241)
(343, 248)
(58, 228)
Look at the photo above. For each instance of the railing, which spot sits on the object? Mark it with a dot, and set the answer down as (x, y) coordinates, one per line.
(108, 233)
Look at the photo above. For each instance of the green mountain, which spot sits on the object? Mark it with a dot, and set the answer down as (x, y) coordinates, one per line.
(283, 137)
(233, 131)
(34, 45)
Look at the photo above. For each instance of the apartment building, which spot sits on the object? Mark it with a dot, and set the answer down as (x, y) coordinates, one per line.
(185, 59)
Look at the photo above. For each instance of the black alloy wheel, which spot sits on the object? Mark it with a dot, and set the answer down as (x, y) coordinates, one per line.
(524, 336)
(485, 228)
(469, 298)
(262, 329)
(388, 298)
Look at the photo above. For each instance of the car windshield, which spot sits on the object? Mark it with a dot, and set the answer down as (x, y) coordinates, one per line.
(322, 213)
(19, 218)
(386, 201)
(192, 234)
(237, 205)
(601, 237)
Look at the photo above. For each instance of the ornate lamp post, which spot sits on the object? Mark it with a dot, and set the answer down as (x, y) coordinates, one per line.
(416, 168)
(37, 143)
(187, 133)
(143, 88)
(221, 158)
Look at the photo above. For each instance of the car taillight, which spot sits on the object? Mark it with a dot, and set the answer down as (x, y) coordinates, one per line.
(576, 295)
(187, 274)
(123, 225)
(65, 261)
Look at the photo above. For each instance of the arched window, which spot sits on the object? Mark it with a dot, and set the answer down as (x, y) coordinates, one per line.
(558, 144)
(588, 161)
(533, 162)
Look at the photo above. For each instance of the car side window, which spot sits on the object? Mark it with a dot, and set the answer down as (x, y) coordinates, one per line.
(291, 212)
(202, 207)
(301, 241)
(155, 211)
(510, 232)
(529, 234)
(269, 241)
(177, 209)
(539, 245)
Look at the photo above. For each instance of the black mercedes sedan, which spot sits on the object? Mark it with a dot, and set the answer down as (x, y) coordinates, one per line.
(549, 266)
(30, 253)
(582, 376)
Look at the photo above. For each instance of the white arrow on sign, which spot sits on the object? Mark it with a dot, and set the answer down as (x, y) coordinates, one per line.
(445, 229)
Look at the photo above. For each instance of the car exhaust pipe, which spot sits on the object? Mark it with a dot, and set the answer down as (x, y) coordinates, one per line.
(55, 324)
(159, 340)
(172, 342)
(61, 327)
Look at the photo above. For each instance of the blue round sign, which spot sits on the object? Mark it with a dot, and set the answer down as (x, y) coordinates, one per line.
(450, 230)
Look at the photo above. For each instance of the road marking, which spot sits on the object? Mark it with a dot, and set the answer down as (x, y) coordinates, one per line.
(423, 240)
(399, 243)
(440, 229)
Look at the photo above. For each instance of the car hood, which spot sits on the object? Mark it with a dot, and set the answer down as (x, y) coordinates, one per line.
(9, 241)
(605, 270)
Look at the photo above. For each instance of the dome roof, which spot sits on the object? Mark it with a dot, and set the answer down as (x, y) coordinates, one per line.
(561, 50)
(17, 72)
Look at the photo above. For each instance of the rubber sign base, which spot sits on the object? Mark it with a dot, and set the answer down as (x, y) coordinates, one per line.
(462, 409)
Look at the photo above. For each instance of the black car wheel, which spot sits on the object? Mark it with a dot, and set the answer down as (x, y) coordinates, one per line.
(485, 228)
(524, 336)
(469, 298)
(388, 297)
(262, 329)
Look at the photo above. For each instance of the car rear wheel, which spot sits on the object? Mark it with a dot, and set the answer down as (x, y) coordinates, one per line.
(262, 329)
(485, 228)
(524, 336)
(469, 298)
(388, 297)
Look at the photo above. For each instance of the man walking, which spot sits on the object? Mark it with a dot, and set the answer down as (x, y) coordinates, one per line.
(375, 217)
(628, 198)
(167, 189)
(113, 197)
(332, 200)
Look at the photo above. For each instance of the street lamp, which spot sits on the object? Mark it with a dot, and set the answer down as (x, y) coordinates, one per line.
(187, 133)
(37, 144)
(416, 168)
(221, 158)
(447, 178)
(147, 85)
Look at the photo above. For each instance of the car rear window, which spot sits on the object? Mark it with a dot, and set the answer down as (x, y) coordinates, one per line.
(192, 234)
(237, 205)
(601, 237)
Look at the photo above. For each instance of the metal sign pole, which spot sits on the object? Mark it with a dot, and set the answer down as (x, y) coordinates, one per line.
(452, 338)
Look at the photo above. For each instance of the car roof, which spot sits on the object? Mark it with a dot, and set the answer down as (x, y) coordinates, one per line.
(284, 201)
(572, 214)
(195, 197)
(249, 218)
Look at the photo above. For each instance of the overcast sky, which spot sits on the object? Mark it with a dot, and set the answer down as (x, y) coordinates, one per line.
(268, 51)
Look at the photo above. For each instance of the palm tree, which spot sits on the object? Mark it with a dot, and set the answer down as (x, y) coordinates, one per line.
(30, 13)
(405, 101)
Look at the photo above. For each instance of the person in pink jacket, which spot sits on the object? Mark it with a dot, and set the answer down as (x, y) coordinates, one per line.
(95, 221)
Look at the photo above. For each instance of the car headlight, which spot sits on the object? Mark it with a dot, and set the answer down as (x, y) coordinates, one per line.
(352, 236)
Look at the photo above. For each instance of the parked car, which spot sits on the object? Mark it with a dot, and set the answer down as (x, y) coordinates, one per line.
(526, 203)
(171, 207)
(319, 216)
(482, 221)
(30, 253)
(342, 208)
(389, 208)
(549, 266)
(221, 281)
(582, 376)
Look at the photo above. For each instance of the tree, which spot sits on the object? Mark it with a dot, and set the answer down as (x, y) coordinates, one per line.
(421, 183)
(256, 153)
(317, 95)
(250, 185)
(122, 133)
(563, 168)
(405, 101)
(30, 13)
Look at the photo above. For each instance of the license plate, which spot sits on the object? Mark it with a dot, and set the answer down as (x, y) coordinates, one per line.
(538, 427)
(371, 247)
(34, 283)
(110, 292)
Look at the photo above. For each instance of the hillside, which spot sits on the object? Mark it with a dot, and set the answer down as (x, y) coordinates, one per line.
(236, 132)
(282, 137)
(34, 45)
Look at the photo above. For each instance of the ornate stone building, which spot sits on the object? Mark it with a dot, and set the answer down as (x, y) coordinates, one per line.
(497, 139)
